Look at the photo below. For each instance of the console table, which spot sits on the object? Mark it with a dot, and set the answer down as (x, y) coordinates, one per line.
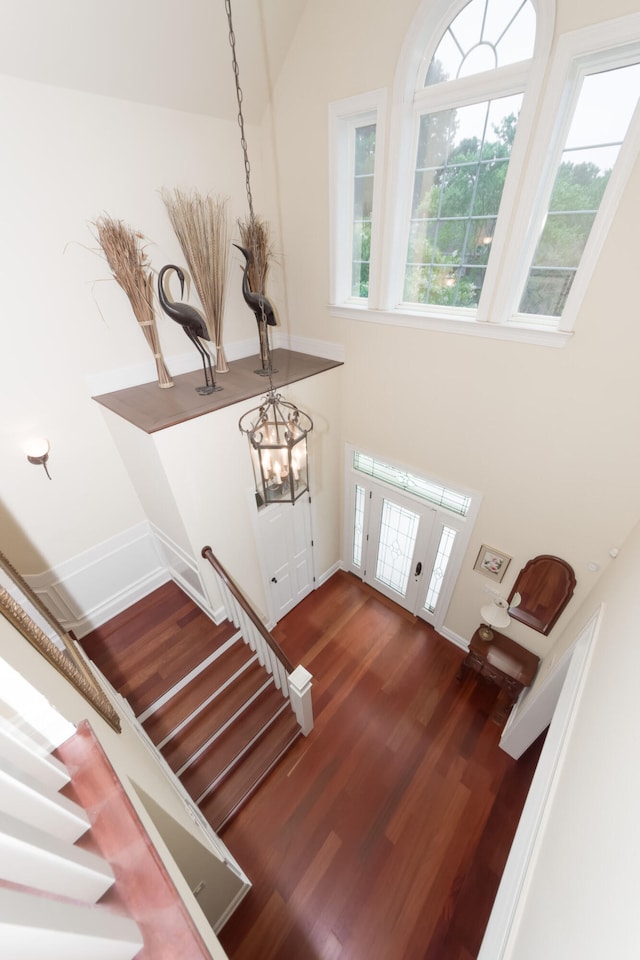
(503, 662)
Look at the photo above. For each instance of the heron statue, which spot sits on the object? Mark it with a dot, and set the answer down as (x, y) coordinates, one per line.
(264, 312)
(191, 322)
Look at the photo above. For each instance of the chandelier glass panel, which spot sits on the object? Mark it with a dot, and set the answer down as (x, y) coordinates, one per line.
(277, 433)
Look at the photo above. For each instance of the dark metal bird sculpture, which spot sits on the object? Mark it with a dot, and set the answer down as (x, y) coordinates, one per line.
(191, 322)
(264, 312)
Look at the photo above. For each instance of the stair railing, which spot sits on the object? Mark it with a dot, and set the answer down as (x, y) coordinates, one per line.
(294, 683)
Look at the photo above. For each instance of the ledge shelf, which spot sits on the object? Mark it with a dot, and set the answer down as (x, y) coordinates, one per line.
(151, 408)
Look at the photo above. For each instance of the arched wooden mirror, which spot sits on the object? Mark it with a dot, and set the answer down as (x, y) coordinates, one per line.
(546, 585)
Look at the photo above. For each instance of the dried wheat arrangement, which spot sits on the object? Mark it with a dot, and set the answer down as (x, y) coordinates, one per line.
(124, 252)
(202, 227)
(256, 238)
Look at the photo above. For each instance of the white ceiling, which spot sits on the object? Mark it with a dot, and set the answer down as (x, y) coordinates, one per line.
(170, 53)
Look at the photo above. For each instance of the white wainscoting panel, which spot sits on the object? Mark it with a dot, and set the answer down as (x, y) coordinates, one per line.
(92, 587)
(184, 570)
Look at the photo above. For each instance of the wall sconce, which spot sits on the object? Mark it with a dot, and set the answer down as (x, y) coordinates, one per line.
(37, 451)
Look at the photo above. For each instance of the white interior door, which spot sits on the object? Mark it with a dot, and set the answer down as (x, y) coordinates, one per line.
(284, 534)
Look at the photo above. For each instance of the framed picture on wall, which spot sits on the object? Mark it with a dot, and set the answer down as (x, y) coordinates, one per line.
(491, 563)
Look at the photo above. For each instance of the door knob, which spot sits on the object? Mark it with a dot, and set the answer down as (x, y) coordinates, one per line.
(273, 580)
(418, 569)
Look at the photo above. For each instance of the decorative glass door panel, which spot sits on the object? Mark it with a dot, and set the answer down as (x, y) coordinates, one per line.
(398, 531)
(396, 546)
(358, 525)
(443, 556)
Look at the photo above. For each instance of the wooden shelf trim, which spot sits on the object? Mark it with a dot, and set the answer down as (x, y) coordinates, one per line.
(152, 408)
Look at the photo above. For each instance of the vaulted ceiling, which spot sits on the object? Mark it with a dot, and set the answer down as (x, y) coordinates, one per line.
(168, 53)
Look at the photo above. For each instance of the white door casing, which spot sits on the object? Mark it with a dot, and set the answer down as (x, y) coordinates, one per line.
(426, 550)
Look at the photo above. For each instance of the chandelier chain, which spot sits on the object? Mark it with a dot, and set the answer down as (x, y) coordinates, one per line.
(239, 96)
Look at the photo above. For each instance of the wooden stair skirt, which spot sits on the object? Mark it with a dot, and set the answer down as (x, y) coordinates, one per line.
(222, 729)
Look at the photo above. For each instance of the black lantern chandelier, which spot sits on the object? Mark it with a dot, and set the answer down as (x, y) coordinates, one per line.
(277, 430)
(277, 433)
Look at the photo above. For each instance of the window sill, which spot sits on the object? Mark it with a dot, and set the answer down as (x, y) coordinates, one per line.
(519, 332)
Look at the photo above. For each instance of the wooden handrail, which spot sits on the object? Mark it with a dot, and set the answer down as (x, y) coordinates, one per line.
(237, 593)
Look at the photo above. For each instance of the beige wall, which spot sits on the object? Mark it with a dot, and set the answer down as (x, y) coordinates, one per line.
(580, 896)
(545, 435)
(566, 479)
(67, 158)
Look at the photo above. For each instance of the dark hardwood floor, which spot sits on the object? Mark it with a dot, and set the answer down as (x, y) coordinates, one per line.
(384, 834)
(381, 836)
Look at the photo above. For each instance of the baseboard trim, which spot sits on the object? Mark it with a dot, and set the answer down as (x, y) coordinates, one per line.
(329, 573)
(315, 348)
(454, 638)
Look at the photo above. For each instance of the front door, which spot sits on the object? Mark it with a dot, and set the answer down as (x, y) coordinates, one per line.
(284, 532)
(401, 544)
(398, 542)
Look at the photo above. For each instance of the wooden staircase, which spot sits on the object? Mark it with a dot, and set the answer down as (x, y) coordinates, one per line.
(222, 729)
(202, 696)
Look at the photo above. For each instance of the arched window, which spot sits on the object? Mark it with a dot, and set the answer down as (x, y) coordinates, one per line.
(504, 164)
(466, 109)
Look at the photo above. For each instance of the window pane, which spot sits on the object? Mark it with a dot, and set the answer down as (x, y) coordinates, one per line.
(398, 532)
(362, 197)
(546, 291)
(365, 149)
(412, 483)
(362, 240)
(486, 34)
(462, 160)
(439, 568)
(364, 159)
(511, 25)
(358, 525)
(566, 232)
(359, 279)
(599, 125)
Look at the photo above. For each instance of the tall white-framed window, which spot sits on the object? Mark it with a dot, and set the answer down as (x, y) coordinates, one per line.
(465, 113)
(489, 228)
(356, 138)
(589, 140)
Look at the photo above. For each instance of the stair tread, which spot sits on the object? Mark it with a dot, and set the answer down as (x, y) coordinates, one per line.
(212, 719)
(225, 748)
(144, 650)
(183, 703)
(241, 782)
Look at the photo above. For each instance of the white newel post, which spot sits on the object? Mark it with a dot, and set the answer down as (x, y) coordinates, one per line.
(300, 695)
